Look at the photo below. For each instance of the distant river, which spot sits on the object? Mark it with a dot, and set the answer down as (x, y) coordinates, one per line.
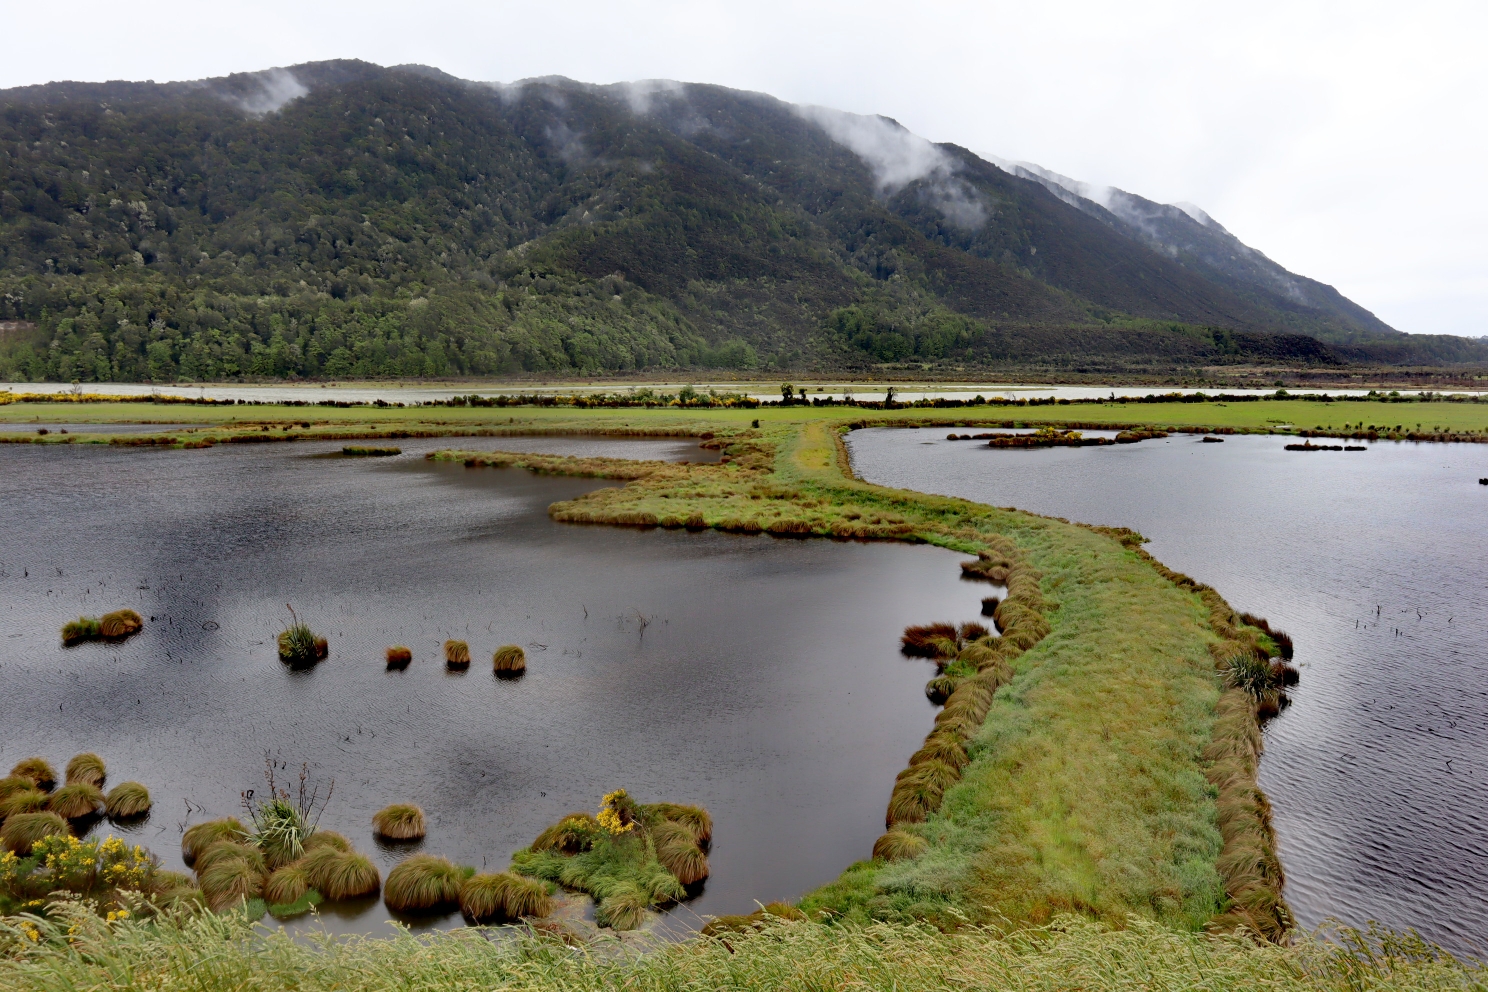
(1377, 563)
(758, 677)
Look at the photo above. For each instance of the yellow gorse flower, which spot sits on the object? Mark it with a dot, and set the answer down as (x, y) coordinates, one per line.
(609, 816)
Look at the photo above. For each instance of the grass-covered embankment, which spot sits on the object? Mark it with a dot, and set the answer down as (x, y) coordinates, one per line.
(1111, 775)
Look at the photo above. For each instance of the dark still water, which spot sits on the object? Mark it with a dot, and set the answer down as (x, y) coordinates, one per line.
(1377, 563)
(754, 676)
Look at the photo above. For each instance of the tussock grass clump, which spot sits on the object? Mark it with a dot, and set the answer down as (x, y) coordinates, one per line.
(912, 801)
(74, 802)
(940, 688)
(622, 909)
(678, 851)
(944, 748)
(228, 850)
(286, 886)
(509, 660)
(347, 876)
(398, 657)
(728, 929)
(86, 769)
(326, 838)
(573, 834)
(933, 640)
(37, 770)
(497, 897)
(301, 647)
(24, 801)
(422, 883)
(400, 821)
(457, 654)
(694, 818)
(79, 630)
(24, 829)
(127, 800)
(12, 784)
(899, 845)
(230, 878)
(972, 631)
(196, 839)
(120, 624)
(363, 451)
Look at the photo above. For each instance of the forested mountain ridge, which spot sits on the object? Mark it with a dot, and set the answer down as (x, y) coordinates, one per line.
(342, 219)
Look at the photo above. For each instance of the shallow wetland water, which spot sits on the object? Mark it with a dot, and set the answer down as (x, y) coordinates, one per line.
(755, 676)
(1375, 563)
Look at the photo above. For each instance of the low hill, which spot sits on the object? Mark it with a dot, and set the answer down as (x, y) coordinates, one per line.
(343, 219)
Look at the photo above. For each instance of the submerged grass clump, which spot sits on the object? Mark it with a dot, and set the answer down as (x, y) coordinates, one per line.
(422, 883)
(37, 770)
(456, 655)
(400, 821)
(509, 660)
(630, 857)
(113, 626)
(86, 769)
(127, 800)
(363, 451)
(398, 657)
(301, 647)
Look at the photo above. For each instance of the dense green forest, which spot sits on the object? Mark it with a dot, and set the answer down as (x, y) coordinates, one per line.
(343, 220)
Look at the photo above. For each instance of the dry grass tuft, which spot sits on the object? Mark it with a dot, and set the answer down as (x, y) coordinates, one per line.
(422, 883)
(74, 802)
(37, 770)
(899, 845)
(24, 829)
(457, 654)
(400, 821)
(127, 800)
(86, 769)
(509, 660)
(398, 657)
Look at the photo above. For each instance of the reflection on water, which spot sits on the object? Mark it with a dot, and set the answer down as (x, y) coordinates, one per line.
(754, 676)
(1374, 562)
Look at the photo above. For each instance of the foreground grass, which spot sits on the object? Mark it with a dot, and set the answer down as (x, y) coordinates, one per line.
(217, 954)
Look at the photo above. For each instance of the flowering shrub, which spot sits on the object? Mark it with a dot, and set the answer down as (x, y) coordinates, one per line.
(617, 812)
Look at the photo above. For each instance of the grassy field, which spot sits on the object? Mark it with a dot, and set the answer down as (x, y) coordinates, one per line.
(1272, 414)
(1108, 772)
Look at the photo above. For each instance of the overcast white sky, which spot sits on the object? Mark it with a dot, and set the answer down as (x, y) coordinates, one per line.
(1345, 140)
